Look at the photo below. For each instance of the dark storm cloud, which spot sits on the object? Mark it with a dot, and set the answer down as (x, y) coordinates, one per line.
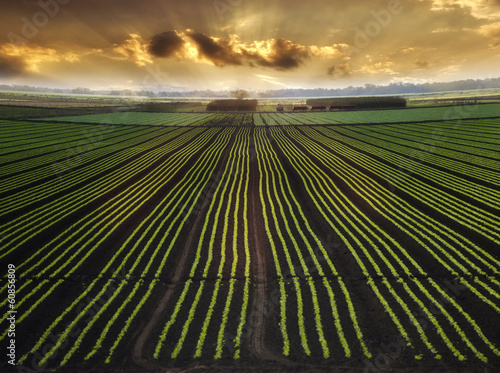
(278, 54)
(165, 44)
(281, 35)
(220, 52)
(339, 71)
(11, 66)
(287, 55)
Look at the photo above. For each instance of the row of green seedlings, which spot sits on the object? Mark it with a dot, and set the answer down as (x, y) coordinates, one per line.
(300, 164)
(406, 155)
(70, 179)
(20, 161)
(32, 268)
(21, 139)
(445, 140)
(233, 177)
(473, 217)
(115, 259)
(192, 184)
(243, 159)
(459, 243)
(461, 159)
(275, 177)
(114, 209)
(135, 118)
(59, 160)
(29, 225)
(174, 119)
(33, 144)
(53, 261)
(409, 274)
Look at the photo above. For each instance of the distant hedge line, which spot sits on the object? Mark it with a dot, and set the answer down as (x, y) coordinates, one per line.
(232, 105)
(166, 107)
(361, 102)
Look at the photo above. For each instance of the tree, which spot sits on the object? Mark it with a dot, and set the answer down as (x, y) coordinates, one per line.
(240, 94)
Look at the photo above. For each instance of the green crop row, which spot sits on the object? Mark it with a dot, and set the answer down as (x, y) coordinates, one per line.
(404, 204)
(456, 114)
(189, 152)
(349, 174)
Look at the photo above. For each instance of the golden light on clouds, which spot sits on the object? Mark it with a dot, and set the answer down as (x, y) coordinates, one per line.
(134, 50)
(380, 65)
(33, 57)
(491, 31)
(189, 45)
(251, 45)
(488, 9)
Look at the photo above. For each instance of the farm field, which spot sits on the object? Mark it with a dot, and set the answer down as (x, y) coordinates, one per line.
(294, 241)
(284, 119)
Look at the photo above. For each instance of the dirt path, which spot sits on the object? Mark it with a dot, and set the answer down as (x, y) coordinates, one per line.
(152, 324)
(257, 340)
(258, 317)
(137, 353)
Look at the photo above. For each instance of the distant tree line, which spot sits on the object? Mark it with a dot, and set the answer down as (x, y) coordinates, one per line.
(366, 90)
(391, 89)
(168, 107)
(377, 102)
(232, 105)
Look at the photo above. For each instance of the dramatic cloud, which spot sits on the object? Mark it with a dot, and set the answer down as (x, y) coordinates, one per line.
(339, 71)
(165, 44)
(283, 54)
(11, 66)
(219, 51)
(491, 31)
(134, 49)
(30, 57)
(278, 54)
(254, 44)
(489, 9)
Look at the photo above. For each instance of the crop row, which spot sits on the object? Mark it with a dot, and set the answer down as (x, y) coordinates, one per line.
(402, 172)
(81, 185)
(76, 245)
(226, 209)
(377, 247)
(80, 150)
(154, 238)
(452, 113)
(138, 118)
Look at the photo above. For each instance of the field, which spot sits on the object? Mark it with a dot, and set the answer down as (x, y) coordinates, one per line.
(357, 241)
(285, 119)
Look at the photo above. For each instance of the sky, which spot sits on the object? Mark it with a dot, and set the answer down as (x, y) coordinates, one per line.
(258, 45)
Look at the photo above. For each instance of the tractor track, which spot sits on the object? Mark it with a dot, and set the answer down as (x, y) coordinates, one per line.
(258, 317)
(138, 349)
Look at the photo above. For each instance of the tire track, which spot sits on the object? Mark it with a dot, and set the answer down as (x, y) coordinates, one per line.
(137, 352)
(258, 318)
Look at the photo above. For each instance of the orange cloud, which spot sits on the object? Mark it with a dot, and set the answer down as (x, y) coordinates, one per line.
(489, 9)
(491, 31)
(133, 49)
(383, 66)
(31, 57)
(278, 54)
